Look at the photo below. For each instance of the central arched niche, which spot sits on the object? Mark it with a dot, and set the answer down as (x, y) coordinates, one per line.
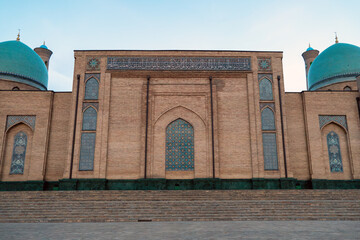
(202, 146)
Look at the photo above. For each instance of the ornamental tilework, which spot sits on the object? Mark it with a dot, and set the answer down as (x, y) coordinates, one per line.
(87, 151)
(179, 146)
(334, 152)
(93, 104)
(12, 120)
(267, 104)
(264, 64)
(267, 119)
(270, 151)
(179, 63)
(94, 75)
(89, 119)
(93, 64)
(325, 119)
(91, 89)
(266, 92)
(18, 156)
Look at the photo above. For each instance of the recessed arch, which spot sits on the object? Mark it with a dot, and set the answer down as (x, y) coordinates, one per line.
(336, 146)
(179, 108)
(202, 145)
(336, 123)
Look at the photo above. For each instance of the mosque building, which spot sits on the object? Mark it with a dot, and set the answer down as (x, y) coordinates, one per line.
(179, 119)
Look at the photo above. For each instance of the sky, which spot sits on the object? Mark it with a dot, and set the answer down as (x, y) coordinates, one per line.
(260, 25)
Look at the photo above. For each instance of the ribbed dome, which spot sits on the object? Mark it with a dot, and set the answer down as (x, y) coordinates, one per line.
(338, 63)
(20, 63)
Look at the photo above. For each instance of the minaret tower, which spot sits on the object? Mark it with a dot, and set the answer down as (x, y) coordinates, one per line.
(44, 53)
(309, 56)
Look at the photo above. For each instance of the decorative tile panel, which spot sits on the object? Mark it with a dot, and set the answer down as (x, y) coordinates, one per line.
(270, 151)
(265, 88)
(267, 119)
(18, 156)
(179, 146)
(13, 120)
(267, 104)
(93, 104)
(87, 151)
(334, 152)
(179, 63)
(89, 119)
(94, 75)
(93, 64)
(264, 64)
(325, 119)
(91, 89)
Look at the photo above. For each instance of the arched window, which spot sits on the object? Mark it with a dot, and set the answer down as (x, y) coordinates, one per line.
(179, 146)
(89, 119)
(19, 151)
(347, 88)
(266, 92)
(270, 151)
(267, 119)
(334, 152)
(91, 89)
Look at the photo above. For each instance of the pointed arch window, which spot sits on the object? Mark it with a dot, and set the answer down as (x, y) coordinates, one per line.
(267, 119)
(92, 89)
(266, 92)
(89, 119)
(334, 152)
(19, 151)
(179, 154)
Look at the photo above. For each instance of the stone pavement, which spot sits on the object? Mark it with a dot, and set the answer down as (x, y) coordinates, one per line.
(184, 230)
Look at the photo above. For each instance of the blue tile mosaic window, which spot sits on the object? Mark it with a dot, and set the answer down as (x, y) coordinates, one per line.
(334, 152)
(270, 151)
(87, 151)
(92, 89)
(179, 146)
(267, 119)
(89, 119)
(18, 156)
(266, 92)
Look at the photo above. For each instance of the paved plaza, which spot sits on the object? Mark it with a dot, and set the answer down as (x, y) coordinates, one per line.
(184, 230)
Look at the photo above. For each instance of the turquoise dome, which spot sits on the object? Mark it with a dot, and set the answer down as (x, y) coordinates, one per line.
(20, 63)
(338, 63)
(309, 49)
(44, 46)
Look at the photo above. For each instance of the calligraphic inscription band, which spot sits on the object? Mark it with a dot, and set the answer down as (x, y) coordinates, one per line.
(179, 63)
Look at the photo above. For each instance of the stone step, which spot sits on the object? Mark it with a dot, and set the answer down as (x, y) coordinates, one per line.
(193, 205)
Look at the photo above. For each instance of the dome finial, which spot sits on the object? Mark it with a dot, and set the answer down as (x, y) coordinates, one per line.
(309, 45)
(18, 36)
(336, 38)
(44, 42)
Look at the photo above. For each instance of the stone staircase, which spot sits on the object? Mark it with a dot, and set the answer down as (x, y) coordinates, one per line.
(191, 205)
